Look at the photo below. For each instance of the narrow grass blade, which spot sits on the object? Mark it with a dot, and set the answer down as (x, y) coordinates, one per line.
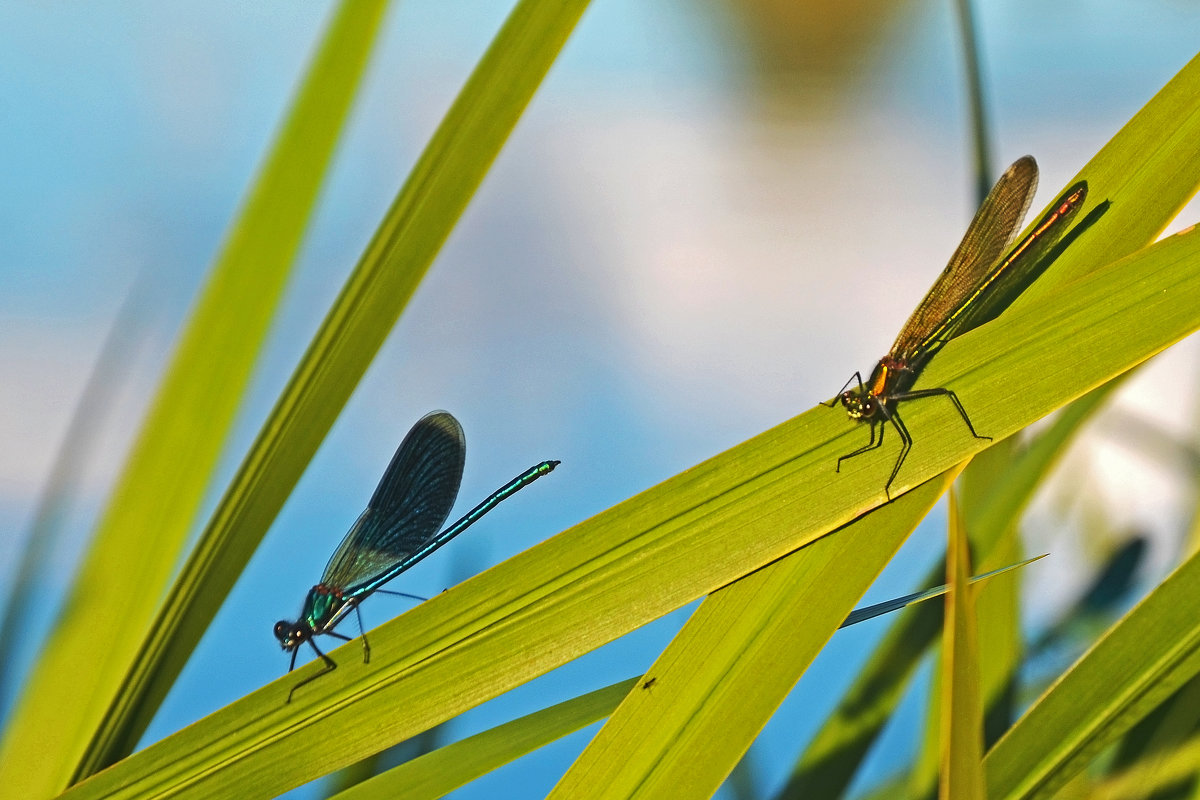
(142, 532)
(734, 662)
(988, 479)
(961, 774)
(445, 769)
(437, 191)
(1144, 658)
(75, 452)
(1163, 774)
(997, 610)
(1161, 733)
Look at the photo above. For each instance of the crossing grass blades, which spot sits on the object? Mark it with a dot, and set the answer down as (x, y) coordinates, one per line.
(398, 529)
(974, 288)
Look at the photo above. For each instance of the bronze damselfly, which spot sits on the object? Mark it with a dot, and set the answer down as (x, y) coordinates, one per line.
(982, 279)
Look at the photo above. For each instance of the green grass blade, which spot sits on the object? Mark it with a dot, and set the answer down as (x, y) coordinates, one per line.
(1143, 659)
(997, 657)
(445, 769)
(441, 185)
(657, 551)
(993, 504)
(988, 479)
(1161, 774)
(961, 728)
(735, 660)
(997, 611)
(1168, 728)
(63, 483)
(141, 533)
(1001, 649)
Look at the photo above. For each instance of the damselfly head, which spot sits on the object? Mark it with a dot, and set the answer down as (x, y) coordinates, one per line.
(860, 403)
(291, 634)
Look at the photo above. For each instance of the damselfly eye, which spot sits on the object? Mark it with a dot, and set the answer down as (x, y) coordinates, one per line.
(282, 628)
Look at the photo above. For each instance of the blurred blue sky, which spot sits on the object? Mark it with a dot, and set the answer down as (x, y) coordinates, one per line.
(653, 272)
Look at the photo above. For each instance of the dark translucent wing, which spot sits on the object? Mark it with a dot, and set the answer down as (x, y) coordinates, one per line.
(993, 229)
(435, 542)
(1024, 263)
(411, 503)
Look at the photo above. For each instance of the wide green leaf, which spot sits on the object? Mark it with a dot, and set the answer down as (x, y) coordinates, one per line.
(440, 771)
(445, 769)
(736, 659)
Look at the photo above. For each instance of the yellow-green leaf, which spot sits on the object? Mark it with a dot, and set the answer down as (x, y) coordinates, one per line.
(438, 773)
(961, 776)
(734, 662)
(1138, 663)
